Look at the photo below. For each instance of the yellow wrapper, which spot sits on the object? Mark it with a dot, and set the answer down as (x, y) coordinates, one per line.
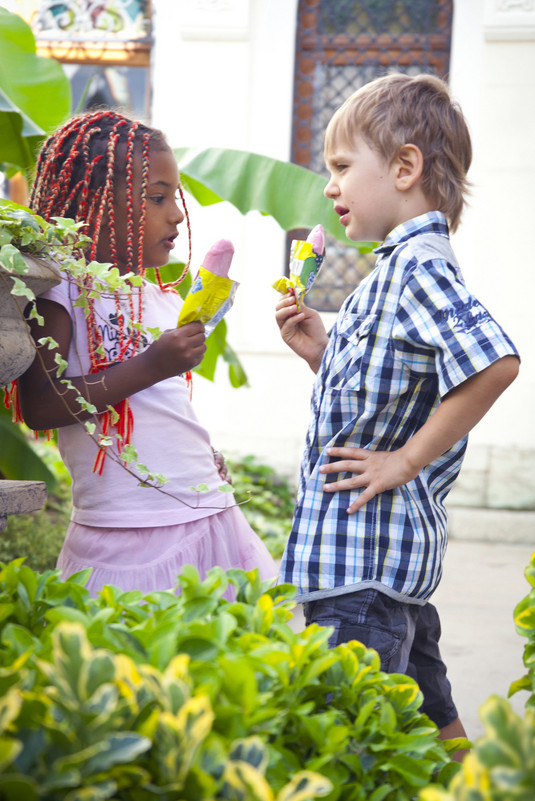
(305, 264)
(208, 300)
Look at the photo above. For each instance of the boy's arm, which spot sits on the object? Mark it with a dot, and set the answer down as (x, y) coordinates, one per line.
(456, 415)
(303, 331)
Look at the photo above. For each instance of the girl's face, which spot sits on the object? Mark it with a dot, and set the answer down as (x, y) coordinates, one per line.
(162, 213)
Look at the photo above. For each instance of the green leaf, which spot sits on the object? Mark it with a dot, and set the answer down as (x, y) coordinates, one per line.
(18, 460)
(119, 748)
(291, 194)
(12, 261)
(16, 788)
(35, 94)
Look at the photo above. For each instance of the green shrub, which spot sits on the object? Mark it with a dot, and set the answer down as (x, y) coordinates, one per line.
(501, 766)
(270, 500)
(525, 625)
(196, 698)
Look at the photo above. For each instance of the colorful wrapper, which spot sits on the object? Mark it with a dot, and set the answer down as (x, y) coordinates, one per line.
(306, 258)
(208, 300)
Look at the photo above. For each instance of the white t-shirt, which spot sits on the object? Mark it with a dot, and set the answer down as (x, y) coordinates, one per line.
(168, 437)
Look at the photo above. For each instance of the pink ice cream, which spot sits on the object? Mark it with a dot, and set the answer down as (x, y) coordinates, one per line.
(219, 257)
(317, 239)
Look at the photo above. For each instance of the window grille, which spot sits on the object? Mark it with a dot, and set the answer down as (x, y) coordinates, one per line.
(340, 46)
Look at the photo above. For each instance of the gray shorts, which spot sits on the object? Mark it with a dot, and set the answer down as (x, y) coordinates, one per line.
(404, 635)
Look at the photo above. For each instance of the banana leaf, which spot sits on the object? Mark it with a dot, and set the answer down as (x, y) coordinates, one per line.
(291, 194)
(18, 460)
(35, 93)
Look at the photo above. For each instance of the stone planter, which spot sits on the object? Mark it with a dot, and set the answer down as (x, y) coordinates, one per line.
(16, 348)
(17, 352)
(20, 497)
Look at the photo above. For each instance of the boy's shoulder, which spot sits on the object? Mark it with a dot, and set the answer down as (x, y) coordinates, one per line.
(428, 246)
(427, 251)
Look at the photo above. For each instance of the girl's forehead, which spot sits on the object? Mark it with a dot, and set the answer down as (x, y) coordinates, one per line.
(162, 165)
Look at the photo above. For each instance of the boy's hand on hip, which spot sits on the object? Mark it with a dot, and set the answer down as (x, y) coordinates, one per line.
(374, 471)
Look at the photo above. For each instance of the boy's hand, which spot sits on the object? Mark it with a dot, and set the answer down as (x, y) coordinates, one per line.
(303, 331)
(455, 416)
(376, 471)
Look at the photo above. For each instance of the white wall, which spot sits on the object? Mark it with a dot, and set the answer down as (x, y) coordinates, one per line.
(229, 84)
(493, 77)
(237, 93)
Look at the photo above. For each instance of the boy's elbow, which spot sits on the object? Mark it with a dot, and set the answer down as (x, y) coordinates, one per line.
(508, 367)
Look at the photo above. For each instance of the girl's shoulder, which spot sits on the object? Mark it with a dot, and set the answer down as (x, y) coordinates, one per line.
(65, 292)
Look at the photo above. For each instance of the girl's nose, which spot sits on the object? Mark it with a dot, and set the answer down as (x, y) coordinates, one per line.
(178, 214)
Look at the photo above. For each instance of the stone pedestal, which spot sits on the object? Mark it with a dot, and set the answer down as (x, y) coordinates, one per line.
(20, 497)
(16, 354)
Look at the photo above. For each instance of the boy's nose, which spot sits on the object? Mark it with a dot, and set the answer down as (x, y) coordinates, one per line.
(331, 190)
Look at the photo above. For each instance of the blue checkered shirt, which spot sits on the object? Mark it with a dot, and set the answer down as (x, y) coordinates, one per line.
(407, 335)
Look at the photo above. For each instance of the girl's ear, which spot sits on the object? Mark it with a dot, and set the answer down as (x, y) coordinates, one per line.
(408, 166)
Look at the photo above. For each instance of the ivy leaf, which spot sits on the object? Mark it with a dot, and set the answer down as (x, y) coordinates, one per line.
(20, 289)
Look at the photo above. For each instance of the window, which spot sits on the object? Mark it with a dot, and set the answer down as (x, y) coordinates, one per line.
(105, 47)
(341, 45)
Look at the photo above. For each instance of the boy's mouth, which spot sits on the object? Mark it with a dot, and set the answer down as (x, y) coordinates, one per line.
(342, 213)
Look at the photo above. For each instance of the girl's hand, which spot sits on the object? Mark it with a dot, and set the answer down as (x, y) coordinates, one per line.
(303, 331)
(221, 465)
(377, 471)
(177, 350)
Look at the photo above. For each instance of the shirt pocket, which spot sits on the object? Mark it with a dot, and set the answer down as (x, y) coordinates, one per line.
(351, 350)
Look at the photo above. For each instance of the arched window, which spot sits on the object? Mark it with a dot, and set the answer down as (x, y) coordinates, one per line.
(341, 45)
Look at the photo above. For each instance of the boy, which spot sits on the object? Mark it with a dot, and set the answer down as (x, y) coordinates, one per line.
(413, 362)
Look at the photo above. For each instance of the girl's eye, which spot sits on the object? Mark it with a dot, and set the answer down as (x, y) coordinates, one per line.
(157, 198)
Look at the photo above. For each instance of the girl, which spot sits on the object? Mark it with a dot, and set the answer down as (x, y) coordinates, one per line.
(120, 178)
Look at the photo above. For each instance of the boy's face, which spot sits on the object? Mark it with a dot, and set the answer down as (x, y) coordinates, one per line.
(162, 213)
(362, 187)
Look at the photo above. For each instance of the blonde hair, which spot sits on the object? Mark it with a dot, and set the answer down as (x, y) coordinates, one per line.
(396, 110)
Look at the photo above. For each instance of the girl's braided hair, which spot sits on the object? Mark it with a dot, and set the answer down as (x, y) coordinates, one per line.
(79, 170)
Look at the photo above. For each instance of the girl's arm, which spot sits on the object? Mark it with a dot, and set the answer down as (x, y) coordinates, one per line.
(457, 414)
(45, 402)
(303, 331)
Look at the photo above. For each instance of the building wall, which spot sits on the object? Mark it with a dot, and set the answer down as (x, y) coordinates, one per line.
(223, 77)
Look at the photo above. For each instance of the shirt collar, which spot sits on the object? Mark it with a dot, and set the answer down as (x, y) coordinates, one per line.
(433, 222)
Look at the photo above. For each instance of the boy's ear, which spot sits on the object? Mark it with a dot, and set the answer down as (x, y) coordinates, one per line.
(408, 165)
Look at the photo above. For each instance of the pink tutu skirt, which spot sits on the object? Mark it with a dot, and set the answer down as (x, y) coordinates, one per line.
(149, 559)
